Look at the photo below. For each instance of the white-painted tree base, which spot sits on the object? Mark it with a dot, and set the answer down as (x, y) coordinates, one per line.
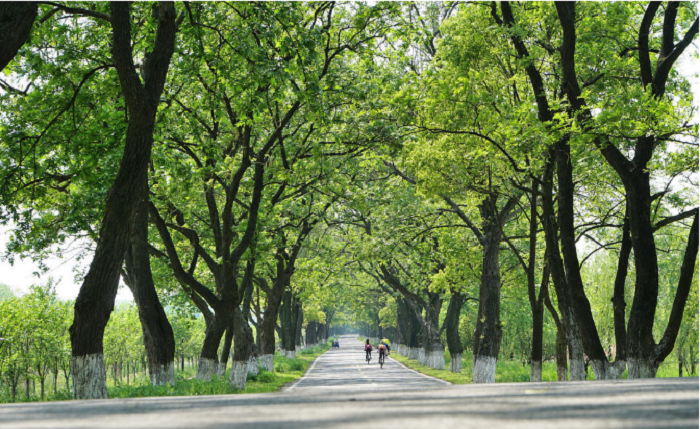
(297, 349)
(253, 365)
(163, 374)
(421, 356)
(484, 370)
(206, 368)
(267, 362)
(536, 371)
(289, 354)
(239, 374)
(221, 369)
(412, 353)
(577, 369)
(89, 380)
(456, 362)
(435, 359)
(562, 373)
(638, 368)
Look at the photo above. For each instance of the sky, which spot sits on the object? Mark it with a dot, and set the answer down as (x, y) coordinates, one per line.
(25, 272)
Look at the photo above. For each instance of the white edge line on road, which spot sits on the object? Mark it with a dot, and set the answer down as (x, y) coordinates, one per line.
(420, 373)
(313, 364)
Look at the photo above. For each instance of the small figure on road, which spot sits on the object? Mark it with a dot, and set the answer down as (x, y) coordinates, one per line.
(381, 350)
(368, 351)
(387, 343)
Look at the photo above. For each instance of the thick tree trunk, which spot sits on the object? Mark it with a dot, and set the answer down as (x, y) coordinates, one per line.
(592, 346)
(538, 326)
(225, 350)
(561, 342)
(16, 22)
(242, 350)
(288, 321)
(489, 343)
(434, 349)
(536, 351)
(558, 274)
(618, 299)
(400, 340)
(270, 316)
(298, 327)
(454, 343)
(157, 332)
(640, 338)
(208, 364)
(413, 334)
(95, 300)
(311, 334)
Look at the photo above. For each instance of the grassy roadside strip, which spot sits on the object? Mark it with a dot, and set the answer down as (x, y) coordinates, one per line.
(450, 377)
(286, 371)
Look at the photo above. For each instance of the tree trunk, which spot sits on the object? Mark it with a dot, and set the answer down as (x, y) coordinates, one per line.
(434, 350)
(298, 327)
(158, 335)
(311, 334)
(454, 343)
(95, 300)
(16, 22)
(225, 350)
(489, 342)
(268, 323)
(413, 333)
(288, 323)
(208, 364)
(618, 299)
(537, 327)
(558, 274)
(579, 302)
(561, 341)
(242, 350)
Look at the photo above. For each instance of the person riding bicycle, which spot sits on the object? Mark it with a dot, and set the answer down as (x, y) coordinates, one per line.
(381, 349)
(368, 350)
(387, 343)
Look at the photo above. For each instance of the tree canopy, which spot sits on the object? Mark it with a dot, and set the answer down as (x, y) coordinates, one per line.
(501, 181)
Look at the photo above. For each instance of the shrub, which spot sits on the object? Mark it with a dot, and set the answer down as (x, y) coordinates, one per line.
(265, 376)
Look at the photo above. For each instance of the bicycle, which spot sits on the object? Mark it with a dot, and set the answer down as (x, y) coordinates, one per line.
(368, 356)
(381, 360)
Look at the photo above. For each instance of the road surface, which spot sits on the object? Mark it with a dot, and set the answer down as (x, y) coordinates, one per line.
(346, 370)
(342, 391)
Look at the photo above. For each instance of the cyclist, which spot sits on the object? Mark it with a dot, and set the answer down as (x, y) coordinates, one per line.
(387, 343)
(381, 349)
(368, 350)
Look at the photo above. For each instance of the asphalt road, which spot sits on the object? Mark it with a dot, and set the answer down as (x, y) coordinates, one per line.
(339, 391)
(346, 370)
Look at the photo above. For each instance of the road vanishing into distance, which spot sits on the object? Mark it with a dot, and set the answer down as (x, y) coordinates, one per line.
(341, 390)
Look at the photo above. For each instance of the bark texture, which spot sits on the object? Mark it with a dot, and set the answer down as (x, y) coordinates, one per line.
(454, 343)
(16, 22)
(157, 333)
(95, 300)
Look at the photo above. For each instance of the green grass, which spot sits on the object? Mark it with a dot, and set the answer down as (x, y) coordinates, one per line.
(286, 371)
(508, 371)
(452, 377)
